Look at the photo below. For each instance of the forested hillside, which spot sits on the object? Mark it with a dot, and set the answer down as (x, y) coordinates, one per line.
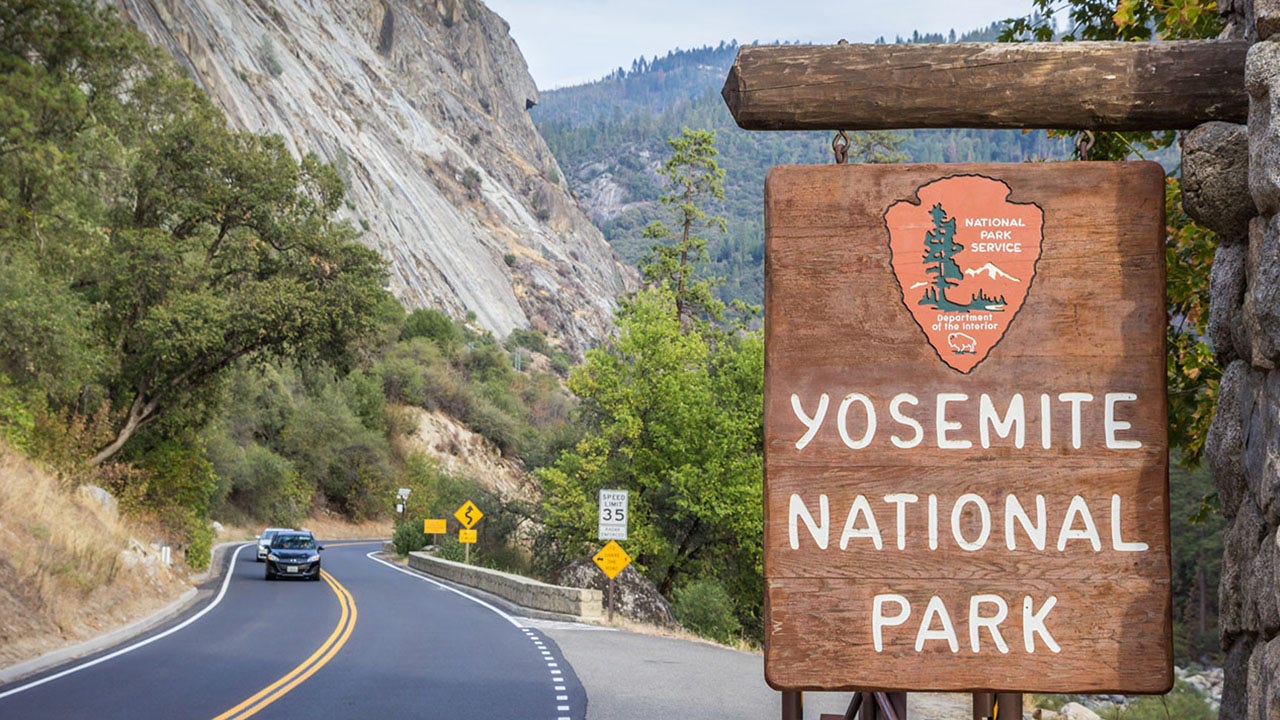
(609, 137)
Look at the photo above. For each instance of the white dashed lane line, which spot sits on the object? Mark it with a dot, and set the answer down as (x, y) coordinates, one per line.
(557, 675)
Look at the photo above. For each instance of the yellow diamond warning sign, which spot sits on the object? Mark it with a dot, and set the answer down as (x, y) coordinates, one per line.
(468, 515)
(612, 559)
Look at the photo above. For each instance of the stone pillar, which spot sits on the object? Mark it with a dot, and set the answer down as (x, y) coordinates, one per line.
(1232, 186)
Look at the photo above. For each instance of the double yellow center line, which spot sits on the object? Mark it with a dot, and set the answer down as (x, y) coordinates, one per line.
(308, 667)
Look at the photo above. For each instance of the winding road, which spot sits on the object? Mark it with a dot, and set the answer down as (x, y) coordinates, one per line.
(374, 640)
(371, 641)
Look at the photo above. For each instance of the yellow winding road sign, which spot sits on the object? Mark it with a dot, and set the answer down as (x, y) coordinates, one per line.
(468, 515)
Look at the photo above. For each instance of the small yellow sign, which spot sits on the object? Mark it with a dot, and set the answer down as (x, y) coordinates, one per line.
(468, 515)
(466, 536)
(433, 527)
(612, 559)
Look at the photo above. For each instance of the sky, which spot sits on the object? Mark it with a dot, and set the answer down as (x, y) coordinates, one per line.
(567, 42)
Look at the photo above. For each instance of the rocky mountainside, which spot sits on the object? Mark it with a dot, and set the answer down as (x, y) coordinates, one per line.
(423, 107)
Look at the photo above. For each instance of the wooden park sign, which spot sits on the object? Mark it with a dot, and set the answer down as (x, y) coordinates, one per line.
(966, 463)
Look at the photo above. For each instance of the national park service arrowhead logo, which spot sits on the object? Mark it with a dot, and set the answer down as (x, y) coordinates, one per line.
(964, 257)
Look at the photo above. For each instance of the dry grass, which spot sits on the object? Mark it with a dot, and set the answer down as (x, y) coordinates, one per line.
(68, 569)
(71, 570)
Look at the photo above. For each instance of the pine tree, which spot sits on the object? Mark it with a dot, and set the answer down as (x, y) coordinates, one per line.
(940, 248)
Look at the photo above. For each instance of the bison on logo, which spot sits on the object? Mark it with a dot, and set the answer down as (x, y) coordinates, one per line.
(964, 257)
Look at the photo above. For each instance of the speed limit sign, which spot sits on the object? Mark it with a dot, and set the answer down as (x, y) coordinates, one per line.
(613, 515)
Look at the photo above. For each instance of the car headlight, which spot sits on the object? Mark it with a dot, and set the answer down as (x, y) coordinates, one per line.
(272, 557)
(314, 558)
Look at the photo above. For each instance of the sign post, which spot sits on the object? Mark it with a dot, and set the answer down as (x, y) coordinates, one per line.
(966, 458)
(468, 515)
(611, 560)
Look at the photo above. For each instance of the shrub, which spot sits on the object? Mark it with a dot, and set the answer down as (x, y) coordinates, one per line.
(704, 607)
(409, 538)
(529, 339)
(433, 325)
(16, 420)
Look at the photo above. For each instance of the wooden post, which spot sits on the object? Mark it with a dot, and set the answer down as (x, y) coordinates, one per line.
(792, 705)
(610, 599)
(1070, 85)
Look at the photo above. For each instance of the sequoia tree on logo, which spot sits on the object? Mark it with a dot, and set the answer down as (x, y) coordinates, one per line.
(939, 260)
(979, 258)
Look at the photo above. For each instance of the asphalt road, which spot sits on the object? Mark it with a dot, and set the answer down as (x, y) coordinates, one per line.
(375, 641)
(371, 641)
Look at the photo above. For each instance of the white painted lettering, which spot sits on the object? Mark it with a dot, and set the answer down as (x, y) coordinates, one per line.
(1014, 420)
(1079, 509)
(992, 623)
(861, 508)
(1013, 511)
(879, 621)
(1112, 425)
(842, 421)
(820, 531)
(983, 512)
(1118, 544)
(946, 632)
(1033, 623)
(811, 423)
(944, 425)
(902, 500)
(895, 411)
(1076, 399)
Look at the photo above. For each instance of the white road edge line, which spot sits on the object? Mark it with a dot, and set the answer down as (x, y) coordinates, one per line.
(226, 582)
(442, 586)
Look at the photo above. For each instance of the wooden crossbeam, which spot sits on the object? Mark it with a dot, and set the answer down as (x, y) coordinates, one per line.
(1073, 85)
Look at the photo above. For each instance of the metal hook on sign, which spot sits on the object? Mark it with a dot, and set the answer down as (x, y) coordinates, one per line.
(840, 147)
(1084, 141)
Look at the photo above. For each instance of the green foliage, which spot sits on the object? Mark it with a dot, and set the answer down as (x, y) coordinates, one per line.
(435, 326)
(17, 422)
(408, 537)
(179, 484)
(677, 422)
(263, 483)
(348, 462)
(704, 606)
(1191, 368)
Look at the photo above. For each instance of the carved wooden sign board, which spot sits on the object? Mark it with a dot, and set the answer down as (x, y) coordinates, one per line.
(966, 455)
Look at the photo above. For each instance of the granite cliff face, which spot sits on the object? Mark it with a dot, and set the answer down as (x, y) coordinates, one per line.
(423, 107)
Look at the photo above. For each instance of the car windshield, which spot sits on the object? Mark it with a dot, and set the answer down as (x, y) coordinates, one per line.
(293, 542)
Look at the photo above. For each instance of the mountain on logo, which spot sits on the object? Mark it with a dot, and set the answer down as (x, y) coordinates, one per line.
(991, 271)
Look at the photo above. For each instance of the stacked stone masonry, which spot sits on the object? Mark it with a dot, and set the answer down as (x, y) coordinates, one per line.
(1231, 184)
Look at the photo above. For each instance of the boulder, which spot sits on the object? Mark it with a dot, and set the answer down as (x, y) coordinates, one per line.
(634, 596)
(1076, 711)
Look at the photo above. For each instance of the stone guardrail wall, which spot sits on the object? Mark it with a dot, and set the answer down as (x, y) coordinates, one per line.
(522, 591)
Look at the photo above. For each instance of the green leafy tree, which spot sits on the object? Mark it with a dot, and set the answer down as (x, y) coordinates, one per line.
(679, 425)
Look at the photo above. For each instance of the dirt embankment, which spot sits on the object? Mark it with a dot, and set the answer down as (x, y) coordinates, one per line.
(71, 568)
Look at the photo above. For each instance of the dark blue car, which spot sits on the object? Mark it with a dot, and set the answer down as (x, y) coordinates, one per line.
(294, 554)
